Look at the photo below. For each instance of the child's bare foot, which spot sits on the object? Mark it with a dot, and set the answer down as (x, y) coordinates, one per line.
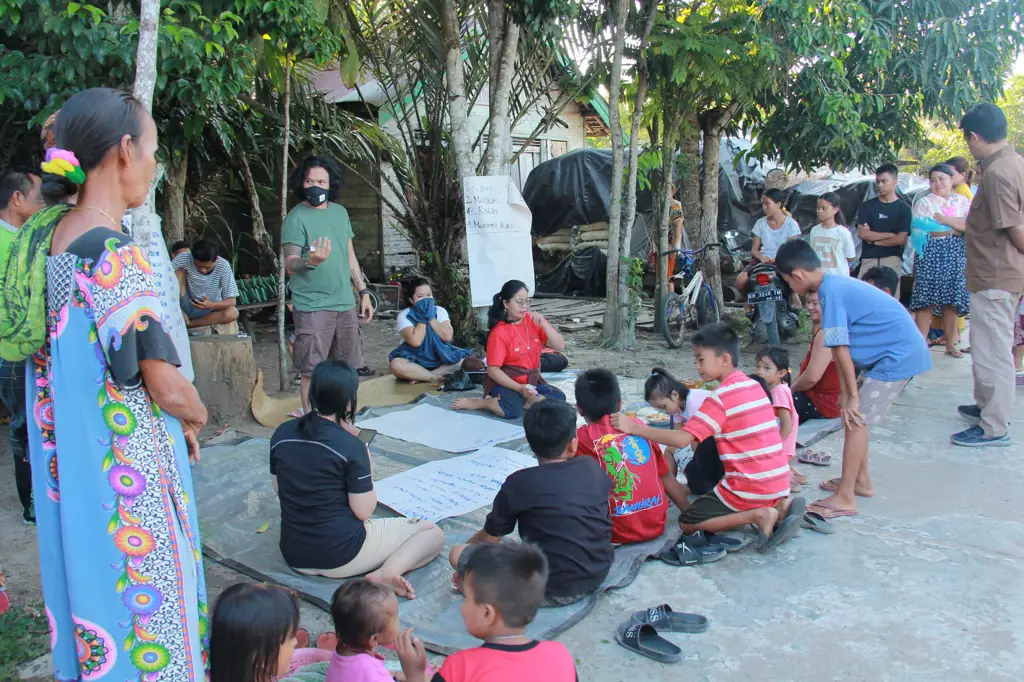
(400, 585)
(467, 404)
(301, 638)
(765, 520)
(832, 485)
(327, 641)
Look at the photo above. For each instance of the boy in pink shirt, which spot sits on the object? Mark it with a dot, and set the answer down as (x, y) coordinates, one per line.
(741, 419)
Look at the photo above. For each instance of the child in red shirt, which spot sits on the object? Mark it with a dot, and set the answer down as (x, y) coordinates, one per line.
(740, 417)
(504, 587)
(642, 483)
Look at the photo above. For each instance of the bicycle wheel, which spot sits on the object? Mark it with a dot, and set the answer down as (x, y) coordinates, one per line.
(673, 320)
(707, 307)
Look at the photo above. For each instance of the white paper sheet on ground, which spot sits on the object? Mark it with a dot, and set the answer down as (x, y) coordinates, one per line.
(450, 487)
(498, 237)
(444, 429)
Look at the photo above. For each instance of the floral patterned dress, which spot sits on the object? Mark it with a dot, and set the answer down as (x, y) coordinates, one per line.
(118, 529)
(939, 278)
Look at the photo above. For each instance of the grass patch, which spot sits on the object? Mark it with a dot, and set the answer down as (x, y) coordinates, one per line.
(24, 636)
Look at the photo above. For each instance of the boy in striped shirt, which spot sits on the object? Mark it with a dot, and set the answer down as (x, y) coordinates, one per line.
(740, 417)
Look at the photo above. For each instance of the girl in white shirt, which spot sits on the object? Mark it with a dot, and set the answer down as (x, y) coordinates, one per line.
(407, 361)
(769, 233)
(831, 239)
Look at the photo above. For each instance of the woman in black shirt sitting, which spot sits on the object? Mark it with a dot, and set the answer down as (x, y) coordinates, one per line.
(322, 475)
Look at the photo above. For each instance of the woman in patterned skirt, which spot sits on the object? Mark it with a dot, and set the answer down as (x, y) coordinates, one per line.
(112, 422)
(939, 280)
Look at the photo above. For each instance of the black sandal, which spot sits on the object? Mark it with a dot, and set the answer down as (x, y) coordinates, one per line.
(682, 554)
(645, 640)
(662, 616)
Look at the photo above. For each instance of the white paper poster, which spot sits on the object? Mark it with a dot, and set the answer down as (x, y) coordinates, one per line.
(450, 487)
(444, 429)
(498, 238)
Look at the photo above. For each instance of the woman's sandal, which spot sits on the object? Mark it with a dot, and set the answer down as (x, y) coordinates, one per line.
(832, 485)
(808, 456)
(829, 511)
(643, 639)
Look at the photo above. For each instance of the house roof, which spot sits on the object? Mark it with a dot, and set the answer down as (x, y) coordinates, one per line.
(329, 83)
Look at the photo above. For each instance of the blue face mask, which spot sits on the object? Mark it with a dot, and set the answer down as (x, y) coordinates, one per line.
(315, 196)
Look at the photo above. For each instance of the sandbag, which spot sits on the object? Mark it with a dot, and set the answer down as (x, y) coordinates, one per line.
(554, 247)
(594, 235)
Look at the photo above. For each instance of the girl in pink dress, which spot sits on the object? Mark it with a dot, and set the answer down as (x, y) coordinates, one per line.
(773, 366)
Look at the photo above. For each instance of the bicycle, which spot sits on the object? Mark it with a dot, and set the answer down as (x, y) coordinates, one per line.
(696, 305)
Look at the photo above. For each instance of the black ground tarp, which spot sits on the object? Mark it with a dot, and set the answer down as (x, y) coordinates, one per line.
(582, 273)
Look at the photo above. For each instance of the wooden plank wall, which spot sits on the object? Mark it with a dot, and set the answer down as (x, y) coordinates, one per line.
(363, 205)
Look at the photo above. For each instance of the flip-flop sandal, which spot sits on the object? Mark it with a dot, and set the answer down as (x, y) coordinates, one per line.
(730, 543)
(681, 554)
(789, 528)
(645, 640)
(797, 507)
(296, 414)
(664, 618)
(829, 511)
(818, 523)
(832, 485)
(798, 477)
(954, 353)
(814, 457)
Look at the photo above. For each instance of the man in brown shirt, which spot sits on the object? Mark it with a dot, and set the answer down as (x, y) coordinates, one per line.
(995, 275)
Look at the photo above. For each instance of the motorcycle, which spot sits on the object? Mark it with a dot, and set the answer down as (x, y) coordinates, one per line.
(773, 320)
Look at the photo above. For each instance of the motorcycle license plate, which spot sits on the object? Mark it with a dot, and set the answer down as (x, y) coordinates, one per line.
(764, 296)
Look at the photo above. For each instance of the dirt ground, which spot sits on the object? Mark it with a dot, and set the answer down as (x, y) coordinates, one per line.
(18, 550)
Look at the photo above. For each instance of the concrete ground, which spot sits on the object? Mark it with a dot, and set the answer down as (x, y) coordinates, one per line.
(926, 584)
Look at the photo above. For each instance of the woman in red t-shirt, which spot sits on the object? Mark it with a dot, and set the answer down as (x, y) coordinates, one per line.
(513, 382)
(816, 388)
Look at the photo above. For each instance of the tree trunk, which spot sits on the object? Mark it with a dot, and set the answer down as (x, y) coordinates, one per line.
(225, 375)
(707, 232)
(145, 55)
(669, 137)
(282, 343)
(144, 88)
(458, 106)
(499, 132)
(174, 197)
(614, 305)
(689, 171)
(627, 321)
(259, 227)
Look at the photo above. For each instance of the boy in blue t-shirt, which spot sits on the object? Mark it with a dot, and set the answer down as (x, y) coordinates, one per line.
(867, 329)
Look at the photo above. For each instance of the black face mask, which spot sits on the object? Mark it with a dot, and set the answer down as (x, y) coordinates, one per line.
(315, 196)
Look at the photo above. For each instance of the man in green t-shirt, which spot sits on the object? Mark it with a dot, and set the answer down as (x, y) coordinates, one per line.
(319, 256)
(19, 199)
